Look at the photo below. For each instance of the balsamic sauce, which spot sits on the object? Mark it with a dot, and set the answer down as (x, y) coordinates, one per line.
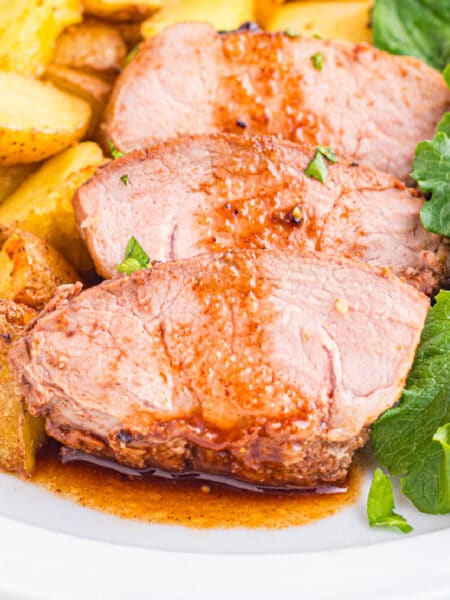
(194, 500)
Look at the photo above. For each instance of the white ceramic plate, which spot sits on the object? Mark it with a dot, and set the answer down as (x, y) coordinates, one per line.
(54, 549)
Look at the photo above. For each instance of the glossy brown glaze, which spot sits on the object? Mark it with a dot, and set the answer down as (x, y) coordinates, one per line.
(189, 503)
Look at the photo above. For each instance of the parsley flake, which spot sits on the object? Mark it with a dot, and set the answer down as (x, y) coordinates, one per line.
(114, 152)
(124, 179)
(136, 258)
(290, 33)
(317, 168)
(328, 153)
(317, 60)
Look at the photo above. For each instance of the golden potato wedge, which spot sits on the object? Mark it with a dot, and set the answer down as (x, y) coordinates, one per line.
(43, 203)
(347, 20)
(67, 12)
(222, 14)
(28, 32)
(91, 88)
(131, 34)
(37, 120)
(12, 177)
(265, 10)
(92, 46)
(122, 10)
(20, 433)
(30, 269)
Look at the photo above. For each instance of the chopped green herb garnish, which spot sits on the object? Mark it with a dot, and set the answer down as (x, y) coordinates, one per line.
(380, 504)
(317, 168)
(290, 33)
(136, 258)
(318, 36)
(411, 439)
(114, 152)
(124, 179)
(131, 54)
(328, 153)
(317, 60)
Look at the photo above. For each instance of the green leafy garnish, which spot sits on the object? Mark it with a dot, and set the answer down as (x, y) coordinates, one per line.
(446, 75)
(418, 28)
(317, 168)
(136, 258)
(290, 33)
(317, 60)
(410, 439)
(131, 54)
(380, 504)
(328, 153)
(431, 170)
(114, 152)
(124, 179)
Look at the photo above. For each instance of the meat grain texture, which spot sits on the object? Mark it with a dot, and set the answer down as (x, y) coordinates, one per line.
(363, 102)
(264, 366)
(217, 192)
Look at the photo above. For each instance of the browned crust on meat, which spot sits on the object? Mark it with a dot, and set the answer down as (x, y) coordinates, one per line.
(275, 459)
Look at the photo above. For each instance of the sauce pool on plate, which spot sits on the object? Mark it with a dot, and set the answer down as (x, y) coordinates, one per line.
(190, 502)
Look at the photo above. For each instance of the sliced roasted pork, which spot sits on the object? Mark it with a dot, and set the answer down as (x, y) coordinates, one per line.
(212, 193)
(260, 365)
(361, 101)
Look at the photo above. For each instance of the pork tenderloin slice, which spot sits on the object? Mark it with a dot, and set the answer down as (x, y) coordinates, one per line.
(268, 366)
(363, 103)
(219, 192)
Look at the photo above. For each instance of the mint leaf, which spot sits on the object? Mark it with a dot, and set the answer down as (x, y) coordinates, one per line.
(431, 170)
(135, 259)
(419, 28)
(404, 438)
(380, 504)
(446, 75)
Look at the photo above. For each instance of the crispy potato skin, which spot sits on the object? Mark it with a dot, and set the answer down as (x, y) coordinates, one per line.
(12, 177)
(43, 203)
(29, 29)
(93, 46)
(20, 433)
(335, 19)
(222, 14)
(122, 10)
(27, 135)
(30, 269)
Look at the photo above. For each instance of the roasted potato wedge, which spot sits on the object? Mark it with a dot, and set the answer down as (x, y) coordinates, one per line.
(222, 14)
(12, 177)
(131, 34)
(67, 12)
(265, 10)
(28, 32)
(43, 203)
(349, 20)
(20, 433)
(122, 10)
(91, 88)
(91, 46)
(30, 269)
(37, 120)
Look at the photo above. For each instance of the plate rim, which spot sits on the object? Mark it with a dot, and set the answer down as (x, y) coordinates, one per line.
(415, 568)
